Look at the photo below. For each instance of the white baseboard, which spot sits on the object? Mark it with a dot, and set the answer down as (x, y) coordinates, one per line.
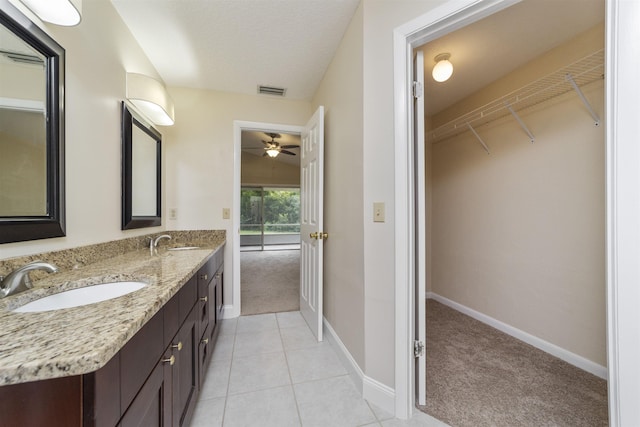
(554, 350)
(347, 360)
(379, 394)
(228, 312)
(374, 391)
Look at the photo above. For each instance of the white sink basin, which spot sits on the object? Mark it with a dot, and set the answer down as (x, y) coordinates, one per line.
(184, 248)
(81, 296)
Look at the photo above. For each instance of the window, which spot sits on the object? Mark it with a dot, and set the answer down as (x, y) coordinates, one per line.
(269, 218)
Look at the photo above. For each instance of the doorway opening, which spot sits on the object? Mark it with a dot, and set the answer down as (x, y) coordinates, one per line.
(428, 28)
(490, 132)
(266, 190)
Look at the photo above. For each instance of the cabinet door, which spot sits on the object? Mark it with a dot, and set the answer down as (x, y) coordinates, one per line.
(185, 372)
(219, 292)
(152, 406)
(213, 303)
(205, 347)
(205, 303)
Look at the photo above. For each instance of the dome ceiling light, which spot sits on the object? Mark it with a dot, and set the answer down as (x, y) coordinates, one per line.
(443, 68)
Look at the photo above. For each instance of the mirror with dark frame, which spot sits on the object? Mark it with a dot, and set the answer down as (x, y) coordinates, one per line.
(141, 172)
(31, 130)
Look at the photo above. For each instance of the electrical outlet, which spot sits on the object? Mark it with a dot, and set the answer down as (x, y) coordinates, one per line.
(378, 212)
(173, 213)
(226, 213)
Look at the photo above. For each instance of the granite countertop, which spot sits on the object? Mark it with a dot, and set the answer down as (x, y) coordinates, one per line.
(79, 340)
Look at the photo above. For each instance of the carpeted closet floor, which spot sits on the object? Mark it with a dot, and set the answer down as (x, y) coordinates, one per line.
(479, 376)
(269, 281)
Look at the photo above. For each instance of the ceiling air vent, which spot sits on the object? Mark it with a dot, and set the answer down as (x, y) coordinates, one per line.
(270, 90)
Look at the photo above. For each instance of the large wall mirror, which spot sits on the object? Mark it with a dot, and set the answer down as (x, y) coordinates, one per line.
(31, 130)
(141, 172)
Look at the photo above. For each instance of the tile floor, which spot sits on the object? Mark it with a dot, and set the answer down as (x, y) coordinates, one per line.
(268, 370)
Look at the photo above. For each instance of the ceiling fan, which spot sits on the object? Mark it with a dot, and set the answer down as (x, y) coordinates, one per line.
(273, 148)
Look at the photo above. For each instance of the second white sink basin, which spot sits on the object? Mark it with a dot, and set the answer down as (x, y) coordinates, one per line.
(184, 248)
(81, 296)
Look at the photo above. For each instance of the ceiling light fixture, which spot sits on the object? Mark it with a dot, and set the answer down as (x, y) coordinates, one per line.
(60, 12)
(273, 152)
(150, 98)
(443, 68)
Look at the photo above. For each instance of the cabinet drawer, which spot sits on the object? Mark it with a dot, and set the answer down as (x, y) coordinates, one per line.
(139, 356)
(171, 318)
(203, 309)
(187, 297)
(205, 274)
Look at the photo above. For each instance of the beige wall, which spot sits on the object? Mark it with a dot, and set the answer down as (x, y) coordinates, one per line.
(357, 91)
(259, 170)
(380, 19)
(199, 153)
(341, 94)
(98, 53)
(519, 235)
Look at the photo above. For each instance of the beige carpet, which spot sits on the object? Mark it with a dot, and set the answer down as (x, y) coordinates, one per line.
(479, 376)
(269, 281)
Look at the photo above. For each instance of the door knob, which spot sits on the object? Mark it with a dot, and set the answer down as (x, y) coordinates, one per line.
(319, 235)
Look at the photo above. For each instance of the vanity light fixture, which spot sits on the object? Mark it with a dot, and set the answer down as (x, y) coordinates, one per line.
(443, 68)
(273, 152)
(150, 98)
(60, 12)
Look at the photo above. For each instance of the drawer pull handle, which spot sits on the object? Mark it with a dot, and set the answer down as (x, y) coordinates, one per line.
(170, 360)
(218, 275)
(205, 341)
(204, 276)
(178, 346)
(204, 299)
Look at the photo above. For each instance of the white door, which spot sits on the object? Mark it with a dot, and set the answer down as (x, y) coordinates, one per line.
(311, 232)
(420, 228)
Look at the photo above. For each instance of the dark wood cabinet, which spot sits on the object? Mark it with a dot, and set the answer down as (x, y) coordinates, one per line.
(154, 380)
(185, 371)
(153, 405)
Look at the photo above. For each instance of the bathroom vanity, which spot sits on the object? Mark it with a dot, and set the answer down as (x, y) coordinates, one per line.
(136, 360)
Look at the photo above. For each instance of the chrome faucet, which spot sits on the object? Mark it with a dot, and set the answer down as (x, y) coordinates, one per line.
(153, 244)
(18, 280)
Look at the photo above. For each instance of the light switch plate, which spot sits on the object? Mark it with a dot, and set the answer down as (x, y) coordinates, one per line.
(378, 212)
(173, 213)
(226, 213)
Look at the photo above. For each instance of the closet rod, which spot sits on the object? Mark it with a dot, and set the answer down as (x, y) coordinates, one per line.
(522, 125)
(479, 139)
(586, 103)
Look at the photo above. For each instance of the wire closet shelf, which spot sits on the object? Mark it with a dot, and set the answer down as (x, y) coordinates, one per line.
(583, 71)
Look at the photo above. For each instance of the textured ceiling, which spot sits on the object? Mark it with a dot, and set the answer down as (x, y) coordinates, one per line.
(236, 45)
(492, 47)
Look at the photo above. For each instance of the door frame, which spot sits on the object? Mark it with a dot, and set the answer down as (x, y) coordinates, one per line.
(238, 127)
(622, 198)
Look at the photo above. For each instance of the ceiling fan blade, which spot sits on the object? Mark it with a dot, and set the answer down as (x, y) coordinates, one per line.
(268, 144)
(287, 152)
(289, 146)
